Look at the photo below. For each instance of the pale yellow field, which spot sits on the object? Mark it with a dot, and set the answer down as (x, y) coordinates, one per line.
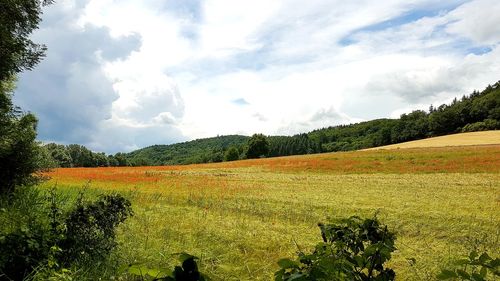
(463, 139)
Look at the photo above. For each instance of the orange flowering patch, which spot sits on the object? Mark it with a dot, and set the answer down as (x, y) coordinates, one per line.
(474, 159)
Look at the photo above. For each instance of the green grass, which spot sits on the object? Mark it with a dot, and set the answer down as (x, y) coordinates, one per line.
(241, 220)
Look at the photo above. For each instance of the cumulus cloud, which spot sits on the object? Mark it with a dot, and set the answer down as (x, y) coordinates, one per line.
(144, 72)
(69, 90)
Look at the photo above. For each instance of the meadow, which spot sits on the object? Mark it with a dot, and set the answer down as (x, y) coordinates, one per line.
(241, 217)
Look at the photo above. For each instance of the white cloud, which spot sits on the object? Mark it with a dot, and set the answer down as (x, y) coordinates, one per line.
(478, 21)
(294, 65)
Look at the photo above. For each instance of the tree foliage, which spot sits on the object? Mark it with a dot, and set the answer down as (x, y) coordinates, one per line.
(20, 156)
(258, 146)
(18, 19)
(232, 154)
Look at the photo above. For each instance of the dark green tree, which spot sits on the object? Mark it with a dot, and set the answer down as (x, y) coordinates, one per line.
(20, 156)
(232, 154)
(60, 154)
(81, 156)
(18, 19)
(258, 146)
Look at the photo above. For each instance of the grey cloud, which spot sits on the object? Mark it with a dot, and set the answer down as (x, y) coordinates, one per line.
(68, 90)
(150, 103)
(326, 114)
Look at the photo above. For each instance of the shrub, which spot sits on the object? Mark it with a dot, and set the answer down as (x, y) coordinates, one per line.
(90, 229)
(352, 249)
(41, 240)
(487, 124)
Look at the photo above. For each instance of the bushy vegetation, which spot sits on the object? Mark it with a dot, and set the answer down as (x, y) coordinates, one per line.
(352, 249)
(39, 237)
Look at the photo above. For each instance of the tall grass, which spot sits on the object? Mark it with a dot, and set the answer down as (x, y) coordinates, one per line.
(241, 217)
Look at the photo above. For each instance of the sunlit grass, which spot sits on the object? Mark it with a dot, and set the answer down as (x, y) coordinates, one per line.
(241, 217)
(463, 139)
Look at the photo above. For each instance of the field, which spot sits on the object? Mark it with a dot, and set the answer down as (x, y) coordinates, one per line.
(241, 217)
(473, 138)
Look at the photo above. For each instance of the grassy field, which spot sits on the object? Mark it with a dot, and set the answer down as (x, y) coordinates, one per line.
(241, 217)
(463, 139)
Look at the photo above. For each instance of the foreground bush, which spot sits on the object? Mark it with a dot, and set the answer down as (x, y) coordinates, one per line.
(352, 249)
(38, 240)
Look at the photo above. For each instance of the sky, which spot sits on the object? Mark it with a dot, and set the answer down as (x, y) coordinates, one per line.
(124, 74)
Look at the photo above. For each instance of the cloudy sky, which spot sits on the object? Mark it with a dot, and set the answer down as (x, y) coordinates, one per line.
(124, 74)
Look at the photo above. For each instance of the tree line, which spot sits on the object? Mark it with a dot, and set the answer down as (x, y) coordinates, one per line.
(475, 112)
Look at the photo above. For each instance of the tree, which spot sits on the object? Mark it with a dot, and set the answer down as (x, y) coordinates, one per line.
(19, 152)
(20, 156)
(258, 146)
(60, 154)
(18, 19)
(232, 154)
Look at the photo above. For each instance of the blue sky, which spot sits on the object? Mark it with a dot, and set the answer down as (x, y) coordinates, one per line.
(123, 74)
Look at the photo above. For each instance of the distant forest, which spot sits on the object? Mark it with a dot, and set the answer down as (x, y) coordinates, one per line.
(478, 111)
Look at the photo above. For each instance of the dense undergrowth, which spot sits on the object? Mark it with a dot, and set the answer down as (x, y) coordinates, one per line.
(39, 238)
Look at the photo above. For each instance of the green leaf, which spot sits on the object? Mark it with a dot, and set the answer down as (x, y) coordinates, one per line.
(359, 261)
(288, 263)
(446, 274)
(484, 257)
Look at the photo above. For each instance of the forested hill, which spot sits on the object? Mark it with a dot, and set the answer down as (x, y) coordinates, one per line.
(478, 111)
(196, 151)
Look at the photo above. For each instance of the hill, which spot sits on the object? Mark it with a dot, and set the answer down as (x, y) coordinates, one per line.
(479, 111)
(461, 139)
(192, 152)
